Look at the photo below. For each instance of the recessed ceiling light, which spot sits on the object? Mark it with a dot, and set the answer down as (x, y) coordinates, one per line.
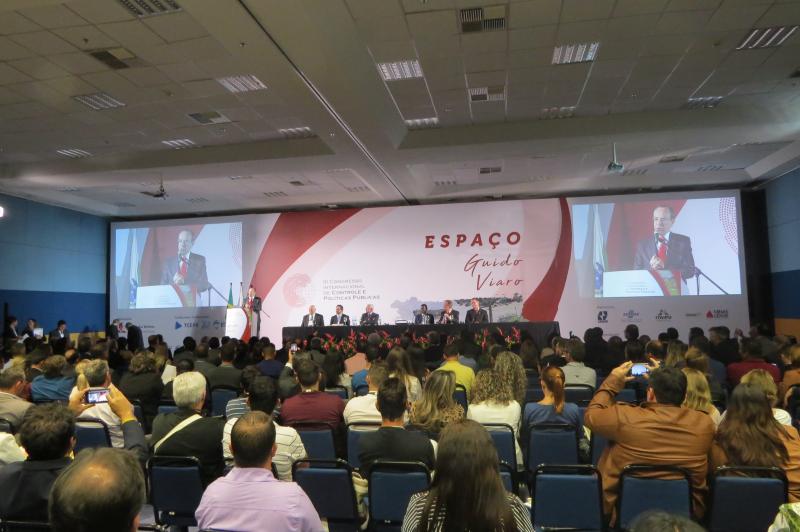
(558, 112)
(766, 37)
(395, 70)
(296, 132)
(99, 101)
(73, 153)
(703, 102)
(565, 54)
(179, 144)
(144, 8)
(422, 123)
(244, 83)
(69, 189)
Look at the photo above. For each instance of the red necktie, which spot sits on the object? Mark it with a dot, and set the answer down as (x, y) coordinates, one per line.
(662, 249)
(184, 267)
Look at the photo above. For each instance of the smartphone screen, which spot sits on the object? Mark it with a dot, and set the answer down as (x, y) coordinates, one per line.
(96, 395)
(293, 348)
(639, 369)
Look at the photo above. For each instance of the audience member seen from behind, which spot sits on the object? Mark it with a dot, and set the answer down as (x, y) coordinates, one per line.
(103, 490)
(676, 354)
(364, 409)
(660, 432)
(262, 396)
(335, 373)
(791, 359)
(575, 371)
(510, 370)
(553, 409)
(399, 365)
(249, 497)
(143, 383)
(466, 492)
(98, 375)
(52, 385)
(763, 381)
(749, 435)
(436, 408)
(752, 358)
(12, 387)
(392, 441)
(698, 395)
(493, 402)
(658, 521)
(186, 432)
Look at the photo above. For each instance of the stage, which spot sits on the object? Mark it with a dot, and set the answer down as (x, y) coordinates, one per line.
(539, 330)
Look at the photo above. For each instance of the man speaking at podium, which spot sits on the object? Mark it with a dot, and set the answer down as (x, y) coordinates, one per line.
(186, 268)
(665, 250)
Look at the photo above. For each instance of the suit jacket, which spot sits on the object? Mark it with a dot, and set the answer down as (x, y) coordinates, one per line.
(12, 408)
(679, 254)
(225, 376)
(477, 317)
(319, 321)
(343, 320)
(423, 319)
(135, 338)
(652, 433)
(394, 443)
(453, 317)
(55, 334)
(256, 306)
(147, 389)
(196, 275)
(373, 318)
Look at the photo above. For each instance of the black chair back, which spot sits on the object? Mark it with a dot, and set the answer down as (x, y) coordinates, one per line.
(176, 487)
(645, 487)
(90, 433)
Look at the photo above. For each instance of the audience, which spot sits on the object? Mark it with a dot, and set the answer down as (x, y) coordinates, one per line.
(98, 375)
(182, 366)
(201, 363)
(143, 383)
(575, 371)
(763, 381)
(698, 394)
(372, 355)
(269, 366)
(52, 385)
(263, 397)
(436, 408)
(552, 408)
(791, 359)
(676, 354)
(723, 348)
(466, 492)
(225, 374)
(311, 404)
(509, 369)
(752, 358)
(12, 387)
(186, 432)
(249, 498)
(658, 521)
(464, 374)
(399, 365)
(364, 409)
(493, 402)
(392, 441)
(659, 432)
(335, 373)
(697, 359)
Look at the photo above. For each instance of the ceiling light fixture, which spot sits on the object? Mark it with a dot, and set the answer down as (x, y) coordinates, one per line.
(496, 93)
(583, 52)
(766, 37)
(422, 123)
(296, 132)
(179, 144)
(703, 102)
(395, 70)
(244, 83)
(73, 153)
(99, 101)
(557, 112)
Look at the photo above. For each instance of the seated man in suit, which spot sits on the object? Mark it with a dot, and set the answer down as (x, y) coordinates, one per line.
(392, 441)
(370, 317)
(476, 314)
(196, 436)
(186, 268)
(423, 317)
(312, 319)
(659, 432)
(665, 250)
(340, 318)
(448, 315)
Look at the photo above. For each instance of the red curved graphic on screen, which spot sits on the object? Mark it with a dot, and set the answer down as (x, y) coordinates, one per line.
(286, 243)
(542, 304)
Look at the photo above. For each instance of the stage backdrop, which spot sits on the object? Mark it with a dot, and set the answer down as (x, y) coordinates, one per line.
(525, 260)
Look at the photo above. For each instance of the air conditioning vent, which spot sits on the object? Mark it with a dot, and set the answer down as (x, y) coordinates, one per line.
(197, 200)
(276, 194)
(487, 94)
(148, 8)
(357, 189)
(297, 132)
(490, 169)
(477, 19)
(209, 117)
(117, 58)
(710, 168)
(766, 37)
(179, 144)
(444, 183)
(637, 171)
(123, 204)
(672, 159)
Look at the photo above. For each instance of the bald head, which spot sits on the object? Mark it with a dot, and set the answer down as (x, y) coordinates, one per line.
(253, 440)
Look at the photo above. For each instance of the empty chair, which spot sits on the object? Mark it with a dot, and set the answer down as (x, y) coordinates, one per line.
(578, 393)
(460, 397)
(354, 433)
(175, 489)
(220, 395)
(391, 485)
(743, 503)
(550, 444)
(582, 509)
(90, 433)
(504, 441)
(317, 437)
(639, 494)
(509, 478)
(337, 390)
(329, 485)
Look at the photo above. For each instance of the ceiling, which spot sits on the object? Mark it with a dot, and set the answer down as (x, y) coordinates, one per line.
(488, 114)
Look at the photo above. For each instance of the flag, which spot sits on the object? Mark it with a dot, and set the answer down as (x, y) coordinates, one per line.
(599, 256)
(133, 270)
(230, 296)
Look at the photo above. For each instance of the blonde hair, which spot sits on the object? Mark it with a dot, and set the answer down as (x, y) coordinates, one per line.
(510, 370)
(488, 386)
(437, 400)
(794, 356)
(698, 393)
(80, 382)
(764, 382)
(676, 354)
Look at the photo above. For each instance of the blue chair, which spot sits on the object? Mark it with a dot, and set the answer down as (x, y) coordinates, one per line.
(317, 437)
(391, 485)
(658, 490)
(176, 488)
(354, 433)
(138, 412)
(90, 433)
(597, 444)
(6, 426)
(329, 485)
(581, 510)
(338, 390)
(167, 409)
(744, 503)
(504, 440)
(578, 393)
(362, 390)
(460, 397)
(551, 444)
(626, 395)
(220, 395)
(532, 377)
(533, 394)
(509, 478)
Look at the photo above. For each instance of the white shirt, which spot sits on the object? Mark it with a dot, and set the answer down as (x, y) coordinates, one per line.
(290, 448)
(362, 409)
(103, 412)
(494, 412)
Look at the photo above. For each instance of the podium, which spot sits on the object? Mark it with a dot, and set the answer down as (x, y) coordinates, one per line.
(643, 283)
(235, 322)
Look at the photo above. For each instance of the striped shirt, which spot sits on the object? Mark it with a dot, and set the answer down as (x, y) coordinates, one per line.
(290, 448)
(411, 521)
(236, 408)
